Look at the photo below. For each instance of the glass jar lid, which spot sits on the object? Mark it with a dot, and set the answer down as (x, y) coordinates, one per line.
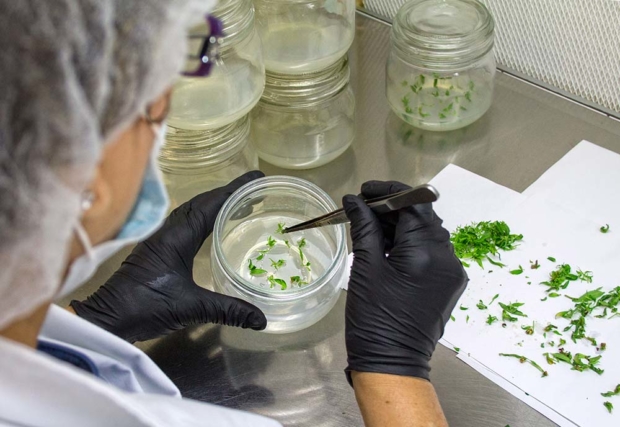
(304, 90)
(443, 34)
(184, 151)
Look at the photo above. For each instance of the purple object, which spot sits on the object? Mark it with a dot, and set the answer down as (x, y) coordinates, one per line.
(210, 49)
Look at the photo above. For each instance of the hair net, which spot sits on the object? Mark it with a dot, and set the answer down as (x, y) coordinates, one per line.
(73, 73)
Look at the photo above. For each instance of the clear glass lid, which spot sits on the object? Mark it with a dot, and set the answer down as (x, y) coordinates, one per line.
(443, 31)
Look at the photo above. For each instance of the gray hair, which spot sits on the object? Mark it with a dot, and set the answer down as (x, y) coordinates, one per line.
(73, 74)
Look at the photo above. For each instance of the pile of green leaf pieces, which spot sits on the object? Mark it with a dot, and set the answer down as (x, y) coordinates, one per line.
(274, 281)
(483, 241)
(478, 242)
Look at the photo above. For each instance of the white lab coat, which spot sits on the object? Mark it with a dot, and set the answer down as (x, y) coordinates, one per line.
(38, 390)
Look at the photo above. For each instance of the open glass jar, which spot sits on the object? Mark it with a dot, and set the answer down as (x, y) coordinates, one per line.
(303, 36)
(193, 162)
(441, 69)
(237, 78)
(305, 121)
(295, 279)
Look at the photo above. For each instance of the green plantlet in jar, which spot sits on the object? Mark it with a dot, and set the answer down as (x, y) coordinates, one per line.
(442, 116)
(468, 96)
(278, 264)
(281, 227)
(472, 85)
(273, 281)
(422, 113)
(296, 280)
(255, 271)
(435, 93)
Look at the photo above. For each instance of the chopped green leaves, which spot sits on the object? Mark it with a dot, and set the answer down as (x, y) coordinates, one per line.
(529, 329)
(605, 229)
(491, 319)
(517, 271)
(609, 406)
(463, 308)
(524, 359)
(483, 306)
(479, 241)
(614, 392)
(452, 318)
(509, 311)
(560, 278)
(579, 362)
(457, 349)
(552, 259)
(534, 265)
(585, 276)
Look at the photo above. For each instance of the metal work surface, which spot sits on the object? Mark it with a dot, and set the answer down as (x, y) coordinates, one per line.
(298, 378)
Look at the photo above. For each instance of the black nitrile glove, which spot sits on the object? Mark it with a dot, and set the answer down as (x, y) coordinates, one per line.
(398, 304)
(153, 293)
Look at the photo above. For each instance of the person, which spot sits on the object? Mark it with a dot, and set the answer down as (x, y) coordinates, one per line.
(86, 88)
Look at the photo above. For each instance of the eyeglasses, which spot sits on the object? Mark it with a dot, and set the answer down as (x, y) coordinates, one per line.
(209, 52)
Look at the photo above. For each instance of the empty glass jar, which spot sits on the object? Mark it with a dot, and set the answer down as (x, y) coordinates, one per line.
(193, 162)
(305, 121)
(302, 36)
(236, 80)
(441, 69)
(295, 279)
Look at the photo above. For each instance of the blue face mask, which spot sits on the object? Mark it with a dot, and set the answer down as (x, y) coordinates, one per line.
(146, 216)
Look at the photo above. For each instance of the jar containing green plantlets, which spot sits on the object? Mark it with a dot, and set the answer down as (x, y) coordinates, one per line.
(441, 68)
(294, 278)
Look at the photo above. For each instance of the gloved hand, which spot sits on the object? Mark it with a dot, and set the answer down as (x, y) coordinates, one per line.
(153, 293)
(398, 305)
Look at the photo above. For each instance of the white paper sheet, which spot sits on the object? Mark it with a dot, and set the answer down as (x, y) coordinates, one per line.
(586, 180)
(550, 229)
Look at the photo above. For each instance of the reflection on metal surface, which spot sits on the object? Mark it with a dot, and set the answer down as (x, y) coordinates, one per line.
(295, 378)
(422, 153)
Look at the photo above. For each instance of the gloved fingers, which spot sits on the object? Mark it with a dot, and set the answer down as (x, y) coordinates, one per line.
(366, 231)
(229, 311)
(418, 225)
(374, 189)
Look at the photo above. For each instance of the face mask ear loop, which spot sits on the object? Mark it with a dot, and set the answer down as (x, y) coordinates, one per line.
(84, 240)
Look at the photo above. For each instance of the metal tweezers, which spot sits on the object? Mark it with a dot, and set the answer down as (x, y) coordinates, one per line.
(419, 195)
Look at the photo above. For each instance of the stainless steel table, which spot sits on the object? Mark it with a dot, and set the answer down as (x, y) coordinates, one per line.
(298, 378)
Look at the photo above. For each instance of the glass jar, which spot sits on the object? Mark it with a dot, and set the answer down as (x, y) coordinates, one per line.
(305, 121)
(193, 162)
(441, 69)
(237, 78)
(298, 278)
(302, 36)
